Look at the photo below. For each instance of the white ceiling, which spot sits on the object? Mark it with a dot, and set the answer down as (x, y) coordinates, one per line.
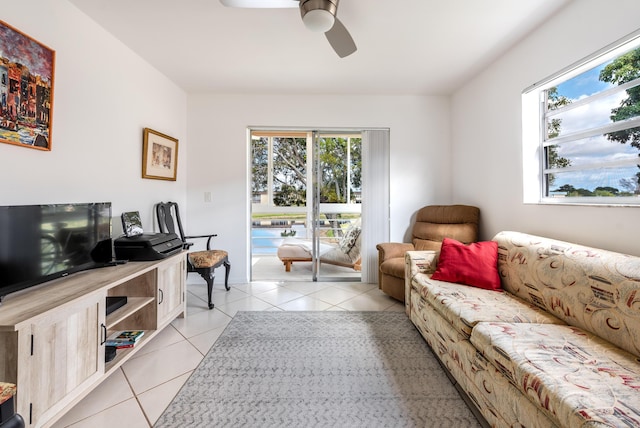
(412, 47)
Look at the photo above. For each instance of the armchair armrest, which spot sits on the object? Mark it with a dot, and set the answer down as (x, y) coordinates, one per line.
(390, 250)
(417, 262)
(189, 244)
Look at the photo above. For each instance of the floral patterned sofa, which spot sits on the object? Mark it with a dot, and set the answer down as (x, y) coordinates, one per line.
(558, 345)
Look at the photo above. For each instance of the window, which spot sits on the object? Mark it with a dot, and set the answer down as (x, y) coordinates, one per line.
(587, 142)
(341, 166)
(279, 170)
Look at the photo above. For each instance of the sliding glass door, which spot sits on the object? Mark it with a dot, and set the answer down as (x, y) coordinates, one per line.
(305, 194)
(336, 208)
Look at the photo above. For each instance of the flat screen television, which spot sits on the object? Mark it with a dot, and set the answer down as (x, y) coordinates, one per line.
(39, 243)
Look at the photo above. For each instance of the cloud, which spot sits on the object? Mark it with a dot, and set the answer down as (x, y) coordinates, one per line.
(591, 115)
(585, 84)
(595, 148)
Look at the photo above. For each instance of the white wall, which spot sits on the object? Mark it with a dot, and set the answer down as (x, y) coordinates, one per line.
(486, 130)
(104, 95)
(218, 155)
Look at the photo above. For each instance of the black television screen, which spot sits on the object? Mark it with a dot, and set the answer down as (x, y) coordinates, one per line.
(39, 243)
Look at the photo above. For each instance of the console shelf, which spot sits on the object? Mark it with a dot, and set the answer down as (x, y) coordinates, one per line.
(52, 336)
(124, 354)
(133, 305)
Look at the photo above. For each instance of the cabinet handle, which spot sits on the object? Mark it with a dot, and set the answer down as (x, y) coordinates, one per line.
(104, 334)
(161, 296)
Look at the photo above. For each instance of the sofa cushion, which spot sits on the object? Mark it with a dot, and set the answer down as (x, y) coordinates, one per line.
(499, 400)
(464, 306)
(475, 264)
(594, 289)
(575, 376)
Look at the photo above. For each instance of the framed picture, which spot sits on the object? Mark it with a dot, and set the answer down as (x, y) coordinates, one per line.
(26, 90)
(159, 156)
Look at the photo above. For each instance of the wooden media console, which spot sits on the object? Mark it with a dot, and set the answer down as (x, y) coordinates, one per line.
(52, 335)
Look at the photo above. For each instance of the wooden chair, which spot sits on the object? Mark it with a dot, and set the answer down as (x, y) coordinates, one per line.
(8, 416)
(203, 262)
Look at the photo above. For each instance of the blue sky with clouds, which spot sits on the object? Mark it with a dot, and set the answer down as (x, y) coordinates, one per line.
(587, 83)
(598, 147)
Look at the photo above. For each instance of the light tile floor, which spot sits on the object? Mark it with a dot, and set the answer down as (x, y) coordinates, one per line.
(136, 394)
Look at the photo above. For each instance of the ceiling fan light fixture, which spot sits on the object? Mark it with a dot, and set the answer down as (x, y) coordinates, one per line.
(319, 20)
(318, 15)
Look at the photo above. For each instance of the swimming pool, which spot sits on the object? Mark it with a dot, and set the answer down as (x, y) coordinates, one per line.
(266, 240)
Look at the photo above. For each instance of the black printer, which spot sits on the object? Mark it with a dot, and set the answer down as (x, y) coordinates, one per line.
(147, 246)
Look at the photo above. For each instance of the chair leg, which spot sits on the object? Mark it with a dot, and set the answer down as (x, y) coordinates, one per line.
(209, 276)
(227, 268)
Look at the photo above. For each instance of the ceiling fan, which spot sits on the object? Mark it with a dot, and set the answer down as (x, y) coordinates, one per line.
(317, 15)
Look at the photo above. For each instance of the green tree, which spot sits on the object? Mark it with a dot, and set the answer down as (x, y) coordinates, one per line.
(289, 196)
(606, 191)
(333, 154)
(580, 192)
(333, 158)
(290, 172)
(290, 162)
(259, 166)
(624, 69)
(566, 188)
(555, 101)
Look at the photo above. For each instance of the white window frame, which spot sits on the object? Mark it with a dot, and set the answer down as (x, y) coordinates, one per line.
(534, 129)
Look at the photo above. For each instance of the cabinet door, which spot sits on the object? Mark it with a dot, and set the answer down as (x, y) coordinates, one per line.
(61, 356)
(171, 289)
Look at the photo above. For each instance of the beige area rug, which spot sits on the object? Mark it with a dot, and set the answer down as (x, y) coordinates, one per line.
(319, 369)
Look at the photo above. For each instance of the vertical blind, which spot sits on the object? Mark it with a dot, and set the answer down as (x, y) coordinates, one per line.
(375, 199)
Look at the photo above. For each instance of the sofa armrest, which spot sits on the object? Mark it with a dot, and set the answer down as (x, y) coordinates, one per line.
(390, 250)
(417, 262)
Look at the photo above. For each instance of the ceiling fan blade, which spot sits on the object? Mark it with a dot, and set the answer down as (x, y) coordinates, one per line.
(340, 40)
(260, 3)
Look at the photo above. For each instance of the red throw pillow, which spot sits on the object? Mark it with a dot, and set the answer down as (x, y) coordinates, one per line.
(474, 264)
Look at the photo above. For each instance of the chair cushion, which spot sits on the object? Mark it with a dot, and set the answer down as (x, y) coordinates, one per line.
(435, 222)
(349, 241)
(293, 252)
(393, 267)
(207, 259)
(336, 256)
(7, 390)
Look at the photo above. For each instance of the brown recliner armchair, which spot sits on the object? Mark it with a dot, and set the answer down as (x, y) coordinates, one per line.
(433, 224)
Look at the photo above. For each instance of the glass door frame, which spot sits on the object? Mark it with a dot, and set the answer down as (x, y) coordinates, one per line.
(313, 192)
(317, 207)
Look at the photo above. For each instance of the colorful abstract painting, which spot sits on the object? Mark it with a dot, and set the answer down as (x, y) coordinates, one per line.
(26, 89)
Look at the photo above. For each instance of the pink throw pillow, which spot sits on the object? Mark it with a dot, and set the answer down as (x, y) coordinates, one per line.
(475, 264)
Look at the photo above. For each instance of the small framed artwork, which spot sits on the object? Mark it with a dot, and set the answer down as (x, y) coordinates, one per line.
(26, 90)
(159, 156)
